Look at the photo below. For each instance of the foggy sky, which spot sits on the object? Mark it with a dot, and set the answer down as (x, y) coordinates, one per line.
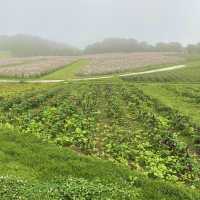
(80, 22)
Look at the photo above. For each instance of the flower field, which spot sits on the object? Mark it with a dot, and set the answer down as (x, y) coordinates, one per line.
(35, 66)
(116, 63)
(96, 64)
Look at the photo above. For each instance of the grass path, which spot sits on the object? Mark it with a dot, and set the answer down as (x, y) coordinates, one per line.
(68, 72)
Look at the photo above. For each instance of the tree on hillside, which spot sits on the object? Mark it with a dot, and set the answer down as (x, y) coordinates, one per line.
(169, 47)
(193, 49)
(113, 45)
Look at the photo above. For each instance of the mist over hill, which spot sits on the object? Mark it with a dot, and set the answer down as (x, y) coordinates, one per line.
(25, 45)
(131, 45)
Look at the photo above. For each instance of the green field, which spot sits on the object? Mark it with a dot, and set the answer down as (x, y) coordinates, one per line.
(183, 97)
(101, 139)
(110, 120)
(189, 74)
(68, 72)
(59, 173)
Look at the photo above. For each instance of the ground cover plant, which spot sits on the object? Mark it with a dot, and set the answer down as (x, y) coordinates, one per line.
(10, 90)
(32, 169)
(103, 139)
(112, 121)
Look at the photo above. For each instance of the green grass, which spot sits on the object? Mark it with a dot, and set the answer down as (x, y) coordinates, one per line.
(5, 54)
(171, 95)
(187, 74)
(110, 120)
(14, 89)
(39, 165)
(68, 72)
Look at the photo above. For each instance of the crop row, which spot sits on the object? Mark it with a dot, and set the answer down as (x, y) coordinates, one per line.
(112, 121)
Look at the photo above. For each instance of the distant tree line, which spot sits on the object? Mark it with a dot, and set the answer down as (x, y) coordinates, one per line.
(193, 49)
(26, 45)
(132, 45)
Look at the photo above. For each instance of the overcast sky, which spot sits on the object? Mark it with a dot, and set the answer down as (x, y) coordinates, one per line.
(80, 22)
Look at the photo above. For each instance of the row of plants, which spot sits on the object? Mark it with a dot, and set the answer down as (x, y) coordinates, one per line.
(112, 121)
(164, 127)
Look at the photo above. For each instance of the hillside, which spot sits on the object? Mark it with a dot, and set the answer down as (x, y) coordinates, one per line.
(117, 138)
(94, 140)
(26, 45)
(59, 173)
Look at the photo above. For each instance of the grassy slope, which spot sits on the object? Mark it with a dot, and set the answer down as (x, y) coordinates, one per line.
(188, 74)
(19, 154)
(163, 93)
(30, 159)
(67, 72)
(120, 125)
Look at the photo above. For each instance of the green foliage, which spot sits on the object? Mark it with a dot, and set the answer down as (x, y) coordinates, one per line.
(38, 170)
(71, 188)
(113, 121)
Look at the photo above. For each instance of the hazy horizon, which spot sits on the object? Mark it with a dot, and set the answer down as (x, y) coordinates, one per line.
(82, 22)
